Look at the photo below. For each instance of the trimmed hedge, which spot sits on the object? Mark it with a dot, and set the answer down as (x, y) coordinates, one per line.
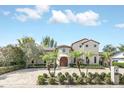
(74, 79)
(90, 66)
(37, 66)
(121, 65)
(10, 68)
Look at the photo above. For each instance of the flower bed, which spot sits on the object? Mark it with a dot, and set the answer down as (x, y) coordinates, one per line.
(74, 79)
(10, 68)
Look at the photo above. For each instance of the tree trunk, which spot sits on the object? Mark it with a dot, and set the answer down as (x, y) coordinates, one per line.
(55, 65)
(48, 67)
(79, 68)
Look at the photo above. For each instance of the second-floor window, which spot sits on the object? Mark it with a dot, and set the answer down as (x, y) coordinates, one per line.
(80, 46)
(94, 45)
(86, 45)
(63, 50)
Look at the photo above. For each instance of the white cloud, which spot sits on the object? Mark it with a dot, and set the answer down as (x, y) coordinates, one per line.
(88, 18)
(120, 25)
(58, 17)
(6, 13)
(24, 14)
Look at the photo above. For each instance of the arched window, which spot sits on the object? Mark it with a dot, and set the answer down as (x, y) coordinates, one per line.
(94, 59)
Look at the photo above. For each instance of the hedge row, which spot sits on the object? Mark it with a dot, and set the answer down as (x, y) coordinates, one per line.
(74, 79)
(121, 65)
(10, 68)
(37, 66)
(90, 66)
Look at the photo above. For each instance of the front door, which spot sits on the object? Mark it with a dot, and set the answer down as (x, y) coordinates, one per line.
(63, 61)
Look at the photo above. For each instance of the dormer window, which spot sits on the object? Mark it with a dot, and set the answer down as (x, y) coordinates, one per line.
(94, 45)
(86, 45)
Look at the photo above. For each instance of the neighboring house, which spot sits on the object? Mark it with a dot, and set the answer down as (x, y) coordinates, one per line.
(119, 57)
(83, 45)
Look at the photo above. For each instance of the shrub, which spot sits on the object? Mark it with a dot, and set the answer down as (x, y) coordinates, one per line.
(107, 80)
(61, 79)
(45, 75)
(10, 68)
(52, 74)
(102, 75)
(96, 74)
(97, 80)
(121, 65)
(90, 75)
(66, 74)
(59, 74)
(82, 74)
(52, 81)
(80, 81)
(88, 80)
(75, 75)
(70, 80)
(121, 78)
(41, 80)
(108, 75)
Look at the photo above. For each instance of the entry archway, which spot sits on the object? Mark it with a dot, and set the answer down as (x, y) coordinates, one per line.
(63, 61)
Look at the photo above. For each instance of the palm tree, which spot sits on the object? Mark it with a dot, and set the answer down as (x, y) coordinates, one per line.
(49, 42)
(107, 58)
(88, 55)
(50, 58)
(77, 55)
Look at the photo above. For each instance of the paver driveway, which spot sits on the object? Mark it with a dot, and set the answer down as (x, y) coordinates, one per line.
(27, 77)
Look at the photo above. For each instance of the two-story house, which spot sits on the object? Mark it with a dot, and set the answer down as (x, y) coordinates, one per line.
(84, 45)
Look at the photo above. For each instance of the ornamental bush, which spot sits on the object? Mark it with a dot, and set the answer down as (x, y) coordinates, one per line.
(75, 75)
(70, 80)
(67, 74)
(41, 80)
(61, 79)
(80, 81)
(45, 75)
(82, 74)
(59, 74)
(52, 81)
(102, 75)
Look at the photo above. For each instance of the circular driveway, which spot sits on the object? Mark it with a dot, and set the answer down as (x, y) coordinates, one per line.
(28, 77)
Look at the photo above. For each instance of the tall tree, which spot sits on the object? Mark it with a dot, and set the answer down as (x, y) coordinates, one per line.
(110, 48)
(107, 58)
(12, 55)
(48, 42)
(121, 48)
(29, 48)
(77, 55)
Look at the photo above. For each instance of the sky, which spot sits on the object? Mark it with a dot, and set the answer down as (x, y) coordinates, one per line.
(66, 24)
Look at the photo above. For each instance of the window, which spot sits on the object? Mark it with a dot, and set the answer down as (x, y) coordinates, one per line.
(94, 45)
(63, 50)
(80, 46)
(86, 45)
(94, 59)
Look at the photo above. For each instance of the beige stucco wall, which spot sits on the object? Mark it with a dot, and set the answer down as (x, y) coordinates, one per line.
(64, 54)
(90, 48)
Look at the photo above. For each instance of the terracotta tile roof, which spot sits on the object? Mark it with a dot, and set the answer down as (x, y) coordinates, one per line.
(64, 46)
(79, 41)
(90, 40)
